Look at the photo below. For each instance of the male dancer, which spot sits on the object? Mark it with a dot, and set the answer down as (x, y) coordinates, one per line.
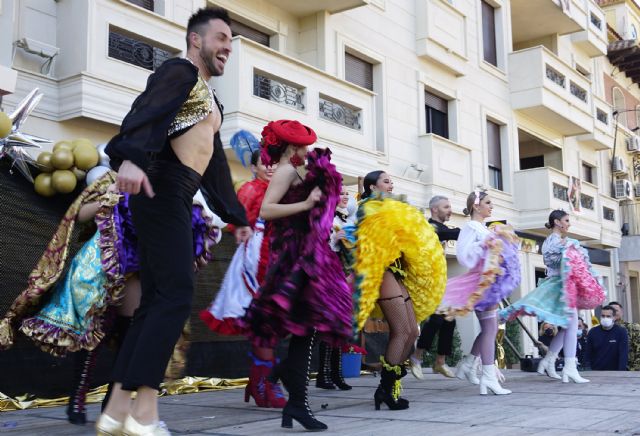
(175, 124)
(440, 208)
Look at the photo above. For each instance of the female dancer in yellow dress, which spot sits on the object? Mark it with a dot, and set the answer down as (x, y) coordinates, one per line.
(399, 267)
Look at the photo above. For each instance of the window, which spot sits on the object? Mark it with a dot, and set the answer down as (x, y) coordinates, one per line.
(588, 173)
(358, 71)
(526, 163)
(489, 33)
(495, 155)
(619, 105)
(238, 28)
(135, 51)
(146, 4)
(437, 114)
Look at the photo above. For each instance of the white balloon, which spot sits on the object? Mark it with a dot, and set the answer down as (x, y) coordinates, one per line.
(104, 157)
(95, 173)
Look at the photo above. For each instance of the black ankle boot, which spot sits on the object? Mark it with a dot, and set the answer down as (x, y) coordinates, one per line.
(388, 391)
(324, 379)
(83, 370)
(336, 370)
(295, 378)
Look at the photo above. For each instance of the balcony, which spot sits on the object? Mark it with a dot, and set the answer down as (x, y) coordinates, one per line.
(436, 155)
(546, 89)
(539, 191)
(602, 136)
(304, 8)
(630, 246)
(593, 40)
(611, 221)
(535, 19)
(261, 84)
(441, 34)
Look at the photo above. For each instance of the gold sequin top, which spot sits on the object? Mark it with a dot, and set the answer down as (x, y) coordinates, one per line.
(196, 108)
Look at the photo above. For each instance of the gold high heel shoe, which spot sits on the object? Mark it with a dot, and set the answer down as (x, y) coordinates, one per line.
(444, 370)
(107, 426)
(134, 428)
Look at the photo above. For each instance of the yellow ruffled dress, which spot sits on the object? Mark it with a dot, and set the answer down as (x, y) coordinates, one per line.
(391, 232)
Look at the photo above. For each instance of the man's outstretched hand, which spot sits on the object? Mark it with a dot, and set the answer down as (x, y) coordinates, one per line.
(132, 179)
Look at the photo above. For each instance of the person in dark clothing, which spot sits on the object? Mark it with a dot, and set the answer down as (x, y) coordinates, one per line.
(607, 344)
(582, 342)
(174, 127)
(440, 207)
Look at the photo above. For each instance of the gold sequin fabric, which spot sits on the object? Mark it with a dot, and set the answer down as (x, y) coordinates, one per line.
(196, 108)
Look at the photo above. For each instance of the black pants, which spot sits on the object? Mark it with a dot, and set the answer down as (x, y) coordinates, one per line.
(165, 244)
(437, 323)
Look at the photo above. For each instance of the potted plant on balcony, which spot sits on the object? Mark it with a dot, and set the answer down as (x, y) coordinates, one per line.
(352, 360)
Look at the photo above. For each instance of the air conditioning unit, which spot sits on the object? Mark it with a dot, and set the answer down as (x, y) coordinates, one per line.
(618, 165)
(633, 143)
(623, 189)
(637, 190)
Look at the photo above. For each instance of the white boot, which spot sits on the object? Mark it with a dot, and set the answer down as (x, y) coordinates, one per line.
(490, 382)
(468, 369)
(570, 371)
(548, 365)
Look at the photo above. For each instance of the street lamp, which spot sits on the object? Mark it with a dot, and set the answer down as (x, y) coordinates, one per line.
(615, 114)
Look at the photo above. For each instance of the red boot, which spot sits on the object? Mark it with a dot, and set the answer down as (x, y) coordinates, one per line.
(275, 396)
(257, 386)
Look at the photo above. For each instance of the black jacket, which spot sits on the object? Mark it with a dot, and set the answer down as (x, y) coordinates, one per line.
(144, 130)
(445, 233)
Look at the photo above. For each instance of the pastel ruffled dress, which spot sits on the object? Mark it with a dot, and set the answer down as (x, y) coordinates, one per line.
(494, 269)
(571, 283)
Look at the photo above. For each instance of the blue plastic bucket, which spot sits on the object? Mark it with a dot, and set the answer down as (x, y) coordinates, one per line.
(351, 365)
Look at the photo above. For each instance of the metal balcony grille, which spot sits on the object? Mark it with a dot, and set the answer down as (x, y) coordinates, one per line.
(602, 116)
(561, 192)
(555, 76)
(277, 91)
(146, 4)
(339, 113)
(608, 213)
(136, 52)
(595, 21)
(578, 92)
(587, 202)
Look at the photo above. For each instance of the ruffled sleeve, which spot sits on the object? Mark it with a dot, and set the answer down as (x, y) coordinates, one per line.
(470, 245)
(552, 249)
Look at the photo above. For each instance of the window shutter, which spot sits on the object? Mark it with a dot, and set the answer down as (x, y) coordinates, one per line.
(147, 4)
(436, 102)
(489, 33)
(238, 28)
(493, 143)
(358, 71)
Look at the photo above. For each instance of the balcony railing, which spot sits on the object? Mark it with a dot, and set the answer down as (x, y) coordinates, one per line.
(602, 136)
(593, 39)
(538, 191)
(261, 84)
(303, 8)
(611, 221)
(548, 90)
(437, 155)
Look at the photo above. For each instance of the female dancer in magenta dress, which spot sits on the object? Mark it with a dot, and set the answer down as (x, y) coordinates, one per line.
(305, 291)
(571, 284)
(492, 256)
(400, 269)
(245, 275)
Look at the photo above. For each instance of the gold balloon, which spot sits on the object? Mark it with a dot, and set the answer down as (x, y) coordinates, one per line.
(5, 125)
(43, 185)
(64, 181)
(44, 162)
(80, 174)
(82, 142)
(86, 156)
(63, 144)
(62, 159)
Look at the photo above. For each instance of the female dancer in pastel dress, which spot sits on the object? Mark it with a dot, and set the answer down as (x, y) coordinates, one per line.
(492, 256)
(400, 268)
(245, 275)
(305, 292)
(330, 358)
(571, 284)
(96, 298)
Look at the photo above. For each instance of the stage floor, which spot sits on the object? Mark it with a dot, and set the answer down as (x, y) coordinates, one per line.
(610, 404)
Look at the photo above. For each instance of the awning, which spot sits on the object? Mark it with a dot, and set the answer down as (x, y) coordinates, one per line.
(625, 55)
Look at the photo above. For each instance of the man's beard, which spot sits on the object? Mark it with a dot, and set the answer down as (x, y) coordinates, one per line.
(209, 61)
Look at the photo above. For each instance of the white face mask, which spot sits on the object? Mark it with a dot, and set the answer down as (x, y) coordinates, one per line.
(607, 323)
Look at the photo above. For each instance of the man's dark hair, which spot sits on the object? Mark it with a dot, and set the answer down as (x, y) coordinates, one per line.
(609, 307)
(199, 20)
(611, 303)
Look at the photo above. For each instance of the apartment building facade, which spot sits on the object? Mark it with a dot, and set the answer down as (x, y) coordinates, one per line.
(441, 94)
